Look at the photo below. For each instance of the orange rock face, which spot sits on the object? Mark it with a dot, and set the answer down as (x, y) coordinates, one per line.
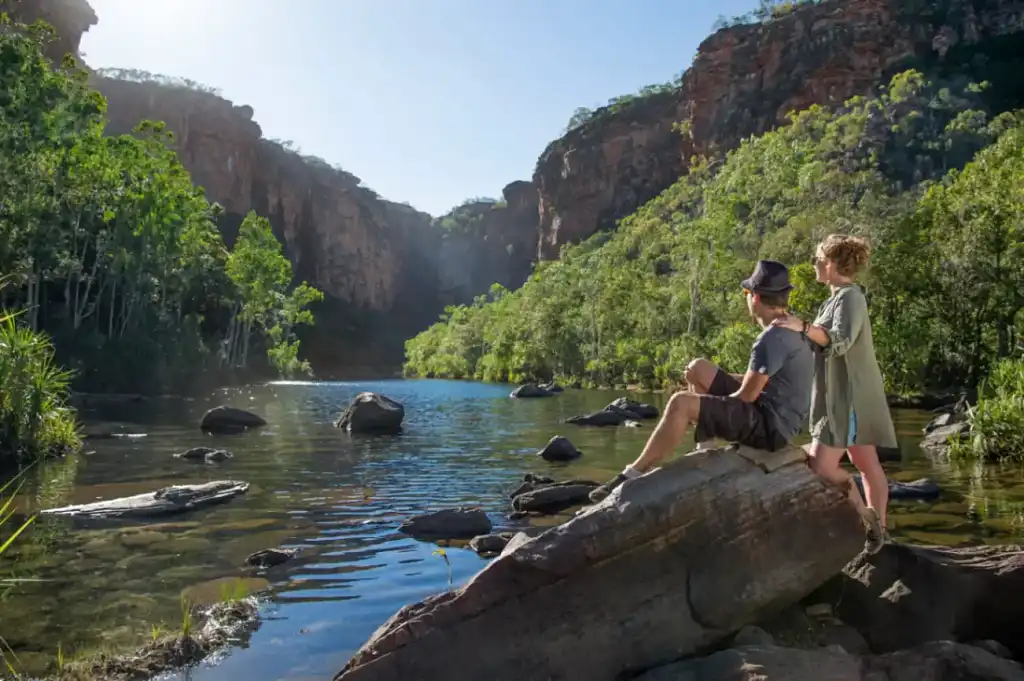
(743, 81)
(340, 236)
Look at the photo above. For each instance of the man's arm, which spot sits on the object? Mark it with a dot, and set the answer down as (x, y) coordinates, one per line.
(751, 386)
(765, 360)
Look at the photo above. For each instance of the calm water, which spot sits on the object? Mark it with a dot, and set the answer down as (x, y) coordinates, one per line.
(340, 499)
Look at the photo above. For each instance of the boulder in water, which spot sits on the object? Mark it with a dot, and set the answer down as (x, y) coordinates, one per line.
(370, 412)
(559, 448)
(225, 419)
(643, 411)
(450, 523)
(605, 417)
(489, 544)
(531, 390)
(551, 387)
(554, 498)
(669, 564)
(938, 440)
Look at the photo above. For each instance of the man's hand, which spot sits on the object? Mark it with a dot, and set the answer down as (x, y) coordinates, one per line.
(752, 385)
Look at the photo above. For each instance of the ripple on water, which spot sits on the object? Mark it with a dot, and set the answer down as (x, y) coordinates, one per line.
(339, 499)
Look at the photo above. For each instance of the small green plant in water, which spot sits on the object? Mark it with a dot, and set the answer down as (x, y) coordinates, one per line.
(155, 632)
(186, 618)
(444, 555)
(233, 591)
(997, 421)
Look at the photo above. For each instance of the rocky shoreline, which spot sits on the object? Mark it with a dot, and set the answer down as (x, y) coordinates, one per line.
(725, 565)
(209, 631)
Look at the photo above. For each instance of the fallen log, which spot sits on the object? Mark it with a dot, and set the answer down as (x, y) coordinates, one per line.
(669, 563)
(906, 595)
(166, 501)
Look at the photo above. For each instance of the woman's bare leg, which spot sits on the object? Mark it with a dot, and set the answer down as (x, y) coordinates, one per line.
(876, 487)
(824, 461)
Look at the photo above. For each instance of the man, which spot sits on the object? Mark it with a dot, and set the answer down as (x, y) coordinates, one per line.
(763, 408)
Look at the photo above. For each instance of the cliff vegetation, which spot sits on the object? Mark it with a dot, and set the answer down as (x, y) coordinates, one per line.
(114, 254)
(922, 169)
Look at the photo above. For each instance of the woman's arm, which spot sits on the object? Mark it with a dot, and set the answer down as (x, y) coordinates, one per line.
(847, 322)
(818, 334)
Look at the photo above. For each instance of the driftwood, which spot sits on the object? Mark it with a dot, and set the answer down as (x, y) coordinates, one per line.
(166, 501)
(668, 564)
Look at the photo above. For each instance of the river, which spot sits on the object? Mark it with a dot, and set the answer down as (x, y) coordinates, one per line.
(340, 499)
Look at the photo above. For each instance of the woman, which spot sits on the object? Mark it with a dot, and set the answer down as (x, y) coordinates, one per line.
(849, 412)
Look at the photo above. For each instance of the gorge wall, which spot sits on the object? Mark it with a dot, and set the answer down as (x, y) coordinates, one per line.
(372, 258)
(745, 79)
(385, 269)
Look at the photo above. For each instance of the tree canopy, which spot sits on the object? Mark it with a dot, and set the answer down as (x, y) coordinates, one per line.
(114, 252)
(921, 169)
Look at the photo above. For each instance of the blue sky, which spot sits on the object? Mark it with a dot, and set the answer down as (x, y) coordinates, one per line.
(428, 101)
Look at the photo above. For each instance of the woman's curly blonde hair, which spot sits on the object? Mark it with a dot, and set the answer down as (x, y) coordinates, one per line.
(849, 253)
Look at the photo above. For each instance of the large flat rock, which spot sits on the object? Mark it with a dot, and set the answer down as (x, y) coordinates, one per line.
(668, 564)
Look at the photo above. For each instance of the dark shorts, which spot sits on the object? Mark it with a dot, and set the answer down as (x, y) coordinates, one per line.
(732, 419)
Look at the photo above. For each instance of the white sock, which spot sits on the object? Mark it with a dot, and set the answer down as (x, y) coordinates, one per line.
(631, 472)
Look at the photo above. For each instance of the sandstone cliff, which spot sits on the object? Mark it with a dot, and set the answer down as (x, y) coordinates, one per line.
(367, 255)
(746, 78)
(483, 243)
(69, 18)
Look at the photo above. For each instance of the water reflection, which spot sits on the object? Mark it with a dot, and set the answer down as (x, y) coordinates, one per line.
(339, 499)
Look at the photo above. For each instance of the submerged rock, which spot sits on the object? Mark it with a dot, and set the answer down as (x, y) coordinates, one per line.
(207, 454)
(228, 420)
(922, 488)
(370, 412)
(671, 563)
(268, 558)
(450, 523)
(621, 411)
(559, 448)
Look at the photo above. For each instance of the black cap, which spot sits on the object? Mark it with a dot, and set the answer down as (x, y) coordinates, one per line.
(770, 276)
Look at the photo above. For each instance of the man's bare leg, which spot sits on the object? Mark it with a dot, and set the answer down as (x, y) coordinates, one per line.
(700, 373)
(683, 408)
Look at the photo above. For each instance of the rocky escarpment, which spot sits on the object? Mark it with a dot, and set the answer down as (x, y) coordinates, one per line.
(746, 78)
(69, 18)
(487, 242)
(369, 256)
